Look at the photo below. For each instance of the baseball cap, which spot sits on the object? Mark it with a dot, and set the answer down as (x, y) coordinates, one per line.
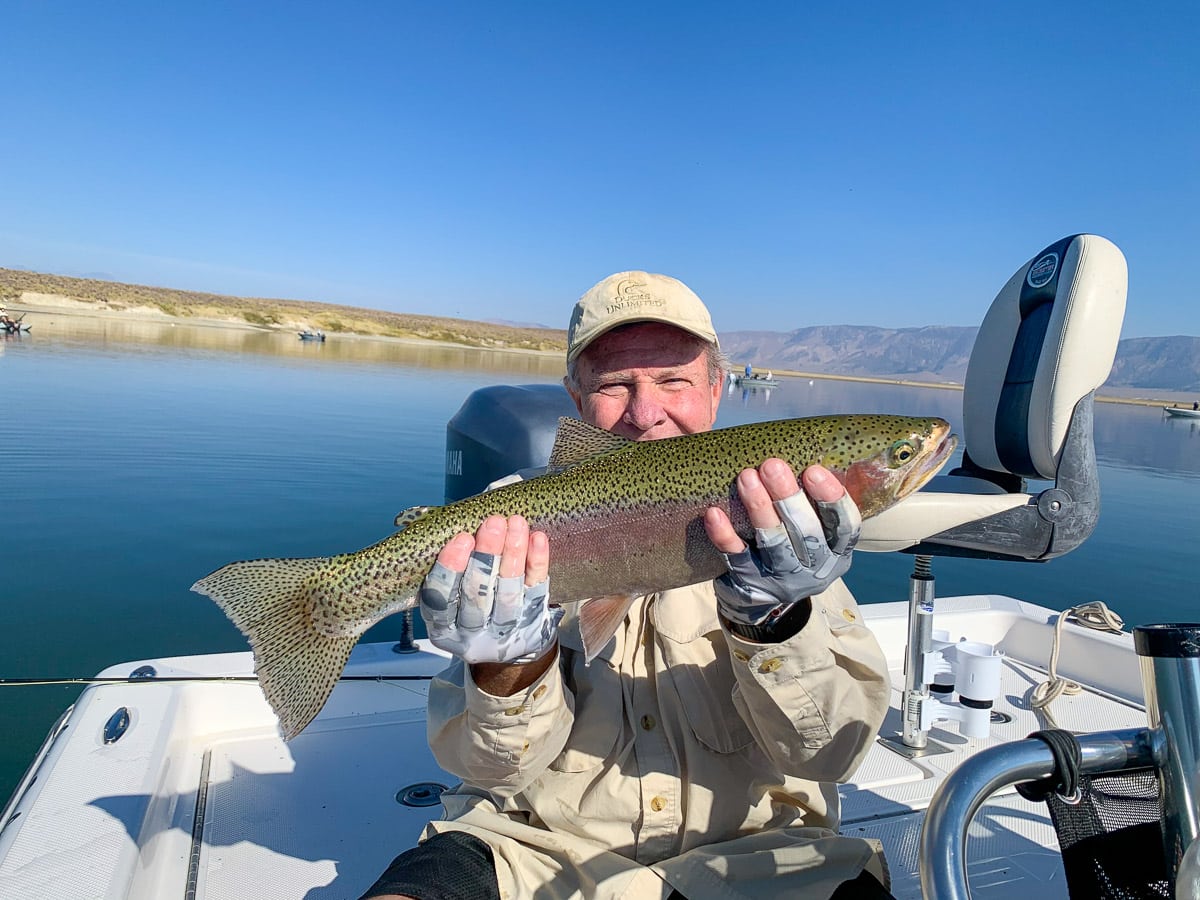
(636, 297)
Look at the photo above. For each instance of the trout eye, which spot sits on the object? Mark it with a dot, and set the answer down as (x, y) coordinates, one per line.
(902, 452)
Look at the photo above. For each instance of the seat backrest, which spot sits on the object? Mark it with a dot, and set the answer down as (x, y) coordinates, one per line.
(1048, 341)
(1046, 344)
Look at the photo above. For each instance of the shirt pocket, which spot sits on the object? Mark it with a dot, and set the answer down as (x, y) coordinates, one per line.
(599, 710)
(702, 674)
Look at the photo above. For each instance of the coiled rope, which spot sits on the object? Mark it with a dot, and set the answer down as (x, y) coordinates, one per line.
(1095, 615)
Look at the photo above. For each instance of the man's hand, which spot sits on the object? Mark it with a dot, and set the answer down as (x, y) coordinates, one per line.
(799, 551)
(487, 598)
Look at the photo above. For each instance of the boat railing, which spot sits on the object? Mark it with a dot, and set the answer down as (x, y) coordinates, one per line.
(1170, 664)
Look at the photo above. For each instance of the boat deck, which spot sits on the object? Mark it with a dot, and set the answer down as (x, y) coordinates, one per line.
(214, 803)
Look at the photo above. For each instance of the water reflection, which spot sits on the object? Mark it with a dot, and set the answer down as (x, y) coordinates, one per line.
(64, 331)
(1144, 437)
(756, 396)
(1126, 435)
(826, 396)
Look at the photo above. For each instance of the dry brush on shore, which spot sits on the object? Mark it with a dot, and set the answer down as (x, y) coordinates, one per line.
(277, 313)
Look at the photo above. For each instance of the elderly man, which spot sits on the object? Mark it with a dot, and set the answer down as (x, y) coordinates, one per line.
(693, 757)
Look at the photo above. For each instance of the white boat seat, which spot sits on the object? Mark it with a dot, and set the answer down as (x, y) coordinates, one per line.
(1046, 344)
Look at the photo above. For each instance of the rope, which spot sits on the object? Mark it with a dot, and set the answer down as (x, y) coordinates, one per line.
(1094, 615)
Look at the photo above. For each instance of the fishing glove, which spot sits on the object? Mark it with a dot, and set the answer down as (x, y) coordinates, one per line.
(805, 553)
(481, 617)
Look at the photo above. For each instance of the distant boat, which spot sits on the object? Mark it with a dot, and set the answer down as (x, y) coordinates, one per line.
(1182, 413)
(11, 326)
(755, 381)
(312, 336)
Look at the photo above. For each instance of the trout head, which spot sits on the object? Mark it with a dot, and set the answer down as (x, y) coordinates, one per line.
(890, 457)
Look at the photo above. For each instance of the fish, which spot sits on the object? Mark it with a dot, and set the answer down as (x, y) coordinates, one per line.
(624, 519)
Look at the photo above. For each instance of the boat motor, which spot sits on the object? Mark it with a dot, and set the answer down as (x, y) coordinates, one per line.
(500, 430)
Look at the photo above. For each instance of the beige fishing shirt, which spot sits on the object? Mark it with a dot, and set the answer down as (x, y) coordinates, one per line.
(684, 756)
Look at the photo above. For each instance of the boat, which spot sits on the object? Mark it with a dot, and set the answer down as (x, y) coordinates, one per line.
(12, 326)
(755, 381)
(1177, 413)
(168, 777)
(312, 336)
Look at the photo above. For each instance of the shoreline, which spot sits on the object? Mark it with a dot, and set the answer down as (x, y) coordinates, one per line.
(58, 305)
(82, 309)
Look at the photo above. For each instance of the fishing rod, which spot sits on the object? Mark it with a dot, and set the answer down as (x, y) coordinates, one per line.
(157, 679)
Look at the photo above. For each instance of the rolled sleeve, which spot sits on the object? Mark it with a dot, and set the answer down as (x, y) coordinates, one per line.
(815, 700)
(500, 744)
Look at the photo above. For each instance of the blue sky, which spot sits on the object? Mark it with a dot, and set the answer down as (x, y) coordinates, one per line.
(872, 163)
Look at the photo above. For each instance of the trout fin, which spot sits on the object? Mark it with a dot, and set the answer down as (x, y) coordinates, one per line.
(599, 620)
(271, 603)
(576, 441)
(410, 515)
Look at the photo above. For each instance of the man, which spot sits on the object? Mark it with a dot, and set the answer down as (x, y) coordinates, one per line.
(692, 757)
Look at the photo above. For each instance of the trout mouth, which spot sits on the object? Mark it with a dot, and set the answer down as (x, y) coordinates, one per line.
(916, 479)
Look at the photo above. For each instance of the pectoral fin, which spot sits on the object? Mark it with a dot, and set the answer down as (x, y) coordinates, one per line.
(599, 619)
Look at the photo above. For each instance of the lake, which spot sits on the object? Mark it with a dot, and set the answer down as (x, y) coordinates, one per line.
(137, 457)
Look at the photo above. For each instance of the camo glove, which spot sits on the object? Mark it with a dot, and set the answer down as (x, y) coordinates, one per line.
(481, 617)
(805, 553)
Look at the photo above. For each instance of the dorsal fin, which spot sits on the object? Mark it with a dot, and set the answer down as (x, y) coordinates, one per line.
(410, 515)
(577, 441)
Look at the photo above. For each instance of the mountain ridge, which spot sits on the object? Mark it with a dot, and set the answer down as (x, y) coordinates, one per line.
(941, 353)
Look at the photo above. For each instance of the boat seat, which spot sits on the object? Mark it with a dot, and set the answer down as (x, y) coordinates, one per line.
(1046, 344)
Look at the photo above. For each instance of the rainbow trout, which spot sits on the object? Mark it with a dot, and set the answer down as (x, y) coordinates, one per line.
(624, 519)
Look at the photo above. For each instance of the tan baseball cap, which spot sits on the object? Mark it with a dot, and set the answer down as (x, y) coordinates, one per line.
(636, 297)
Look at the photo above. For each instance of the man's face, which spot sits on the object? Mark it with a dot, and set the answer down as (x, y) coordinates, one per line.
(646, 381)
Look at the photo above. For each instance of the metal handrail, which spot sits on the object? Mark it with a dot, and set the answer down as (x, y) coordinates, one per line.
(943, 850)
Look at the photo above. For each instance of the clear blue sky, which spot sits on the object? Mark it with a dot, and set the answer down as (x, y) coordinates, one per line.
(870, 163)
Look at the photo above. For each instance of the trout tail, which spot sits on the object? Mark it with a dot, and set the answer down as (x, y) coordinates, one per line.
(271, 603)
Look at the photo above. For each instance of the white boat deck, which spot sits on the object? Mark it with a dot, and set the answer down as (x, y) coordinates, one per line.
(201, 798)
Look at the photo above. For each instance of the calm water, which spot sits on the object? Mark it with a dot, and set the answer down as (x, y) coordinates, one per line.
(136, 458)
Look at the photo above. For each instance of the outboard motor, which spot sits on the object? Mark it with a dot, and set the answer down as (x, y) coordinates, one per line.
(500, 430)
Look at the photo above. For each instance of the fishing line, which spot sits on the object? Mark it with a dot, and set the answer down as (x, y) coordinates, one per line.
(158, 679)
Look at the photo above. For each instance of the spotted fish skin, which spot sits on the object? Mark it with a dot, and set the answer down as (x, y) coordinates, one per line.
(622, 517)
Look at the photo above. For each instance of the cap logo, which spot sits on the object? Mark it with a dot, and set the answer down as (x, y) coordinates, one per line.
(632, 294)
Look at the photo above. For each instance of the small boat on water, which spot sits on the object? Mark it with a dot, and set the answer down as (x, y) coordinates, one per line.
(9, 325)
(168, 777)
(755, 381)
(318, 336)
(1178, 413)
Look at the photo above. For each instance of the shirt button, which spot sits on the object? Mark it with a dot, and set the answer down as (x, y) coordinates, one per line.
(648, 722)
(770, 665)
(514, 710)
(537, 695)
(741, 656)
(525, 748)
(658, 804)
(849, 616)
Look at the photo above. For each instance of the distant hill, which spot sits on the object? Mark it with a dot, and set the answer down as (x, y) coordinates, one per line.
(932, 353)
(940, 353)
(1155, 361)
(19, 285)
